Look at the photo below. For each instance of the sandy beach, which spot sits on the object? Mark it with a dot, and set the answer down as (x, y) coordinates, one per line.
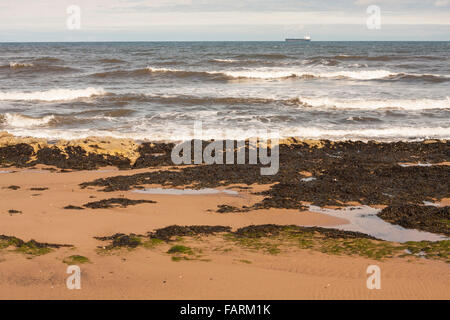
(118, 224)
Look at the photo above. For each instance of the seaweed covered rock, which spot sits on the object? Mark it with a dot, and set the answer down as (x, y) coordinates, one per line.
(268, 230)
(114, 202)
(367, 173)
(120, 240)
(427, 218)
(75, 157)
(178, 231)
(16, 155)
(32, 247)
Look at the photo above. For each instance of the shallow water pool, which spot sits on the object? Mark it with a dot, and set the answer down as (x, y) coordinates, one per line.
(364, 219)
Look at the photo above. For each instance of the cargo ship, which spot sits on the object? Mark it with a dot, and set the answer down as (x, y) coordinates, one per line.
(306, 38)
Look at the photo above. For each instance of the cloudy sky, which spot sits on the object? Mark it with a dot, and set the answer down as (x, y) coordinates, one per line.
(192, 20)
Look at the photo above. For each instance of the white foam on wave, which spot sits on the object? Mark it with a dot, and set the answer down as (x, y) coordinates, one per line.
(53, 94)
(276, 73)
(391, 133)
(406, 104)
(21, 121)
(178, 133)
(153, 69)
(226, 60)
(15, 65)
(279, 73)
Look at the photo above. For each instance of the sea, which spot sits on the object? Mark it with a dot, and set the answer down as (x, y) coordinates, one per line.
(386, 91)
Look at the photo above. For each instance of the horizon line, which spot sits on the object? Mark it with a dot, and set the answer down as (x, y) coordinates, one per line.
(129, 41)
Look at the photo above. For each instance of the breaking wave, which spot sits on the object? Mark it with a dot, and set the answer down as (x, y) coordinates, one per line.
(300, 102)
(390, 134)
(53, 94)
(405, 104)
(273, 73)
(16, 65)
(226, 60)
(21, 121)
(41, 66)
(178, 133)
(345, 57)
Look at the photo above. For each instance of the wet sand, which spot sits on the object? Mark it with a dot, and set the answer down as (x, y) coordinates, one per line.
(44, 218)
(46, 194)
(145, 273)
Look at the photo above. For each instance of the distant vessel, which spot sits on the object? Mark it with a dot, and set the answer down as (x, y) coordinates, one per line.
(305, 38)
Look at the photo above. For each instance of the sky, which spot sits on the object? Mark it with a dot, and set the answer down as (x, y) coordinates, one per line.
(223, 20)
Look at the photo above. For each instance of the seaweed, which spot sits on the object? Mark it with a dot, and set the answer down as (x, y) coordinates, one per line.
(31, 247)
(411, 216)
(115, 202)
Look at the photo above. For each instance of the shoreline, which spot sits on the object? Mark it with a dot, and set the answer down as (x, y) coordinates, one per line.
(118, 151)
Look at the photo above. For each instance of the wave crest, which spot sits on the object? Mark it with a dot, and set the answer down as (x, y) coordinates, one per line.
(268, 73)
(20, 121)
(405, 104)
(53, 94)
(16, 65)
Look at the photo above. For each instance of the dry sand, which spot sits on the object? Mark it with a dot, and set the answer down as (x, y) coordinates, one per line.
(151, 274)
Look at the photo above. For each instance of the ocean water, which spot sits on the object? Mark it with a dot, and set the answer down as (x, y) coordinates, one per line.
(157, 90)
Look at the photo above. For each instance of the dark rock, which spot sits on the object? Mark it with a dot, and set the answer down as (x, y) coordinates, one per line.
(78, 158)
(178, 231)
(367, 173)
(121, 240)
(427, 218)
(17, 155)
(224, 208)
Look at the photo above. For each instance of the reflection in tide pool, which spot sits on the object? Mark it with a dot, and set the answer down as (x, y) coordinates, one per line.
(364, 219)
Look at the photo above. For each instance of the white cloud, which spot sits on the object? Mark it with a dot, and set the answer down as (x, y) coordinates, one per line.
(50, 15)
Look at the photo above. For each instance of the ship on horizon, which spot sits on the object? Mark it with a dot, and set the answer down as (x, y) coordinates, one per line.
(305, 38)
